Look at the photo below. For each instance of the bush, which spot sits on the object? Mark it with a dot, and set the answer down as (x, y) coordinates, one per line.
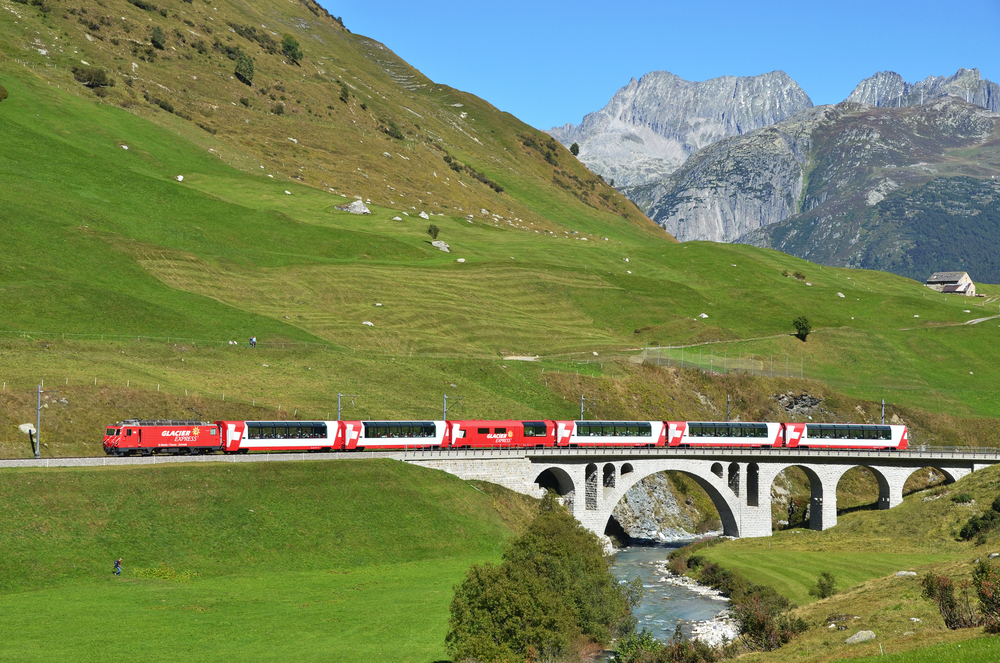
(986, 579)
(158, 40)
(345, 93)
(278, 109)
(955, 612)
(802, 327)
(165, 105)
(290, 47)
(826, 586)
(574, 149)
(552, 589)
(244, 68)
(3, 93)
(92, 77)
(962, 498)
(433, 231)
(245, 102)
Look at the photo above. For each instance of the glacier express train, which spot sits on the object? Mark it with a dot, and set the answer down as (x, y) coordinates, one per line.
(135, 437)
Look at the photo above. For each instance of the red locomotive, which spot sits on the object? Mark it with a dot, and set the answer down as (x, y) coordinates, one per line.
(196, 437)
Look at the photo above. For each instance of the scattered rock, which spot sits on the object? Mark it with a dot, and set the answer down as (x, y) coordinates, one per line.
(914, 620)
(460, 260)
(377, 304)
(423, 215)
(906, 574)
(125, 147)
(994, 555)
(801, 404)
(368, 323)
(396, 218)
(356, 207)
(288, 192)
(443, 246)
(702, 315)
(484, 212)
(294, 141)
(179, 178)
(860, 636)
(840, 294)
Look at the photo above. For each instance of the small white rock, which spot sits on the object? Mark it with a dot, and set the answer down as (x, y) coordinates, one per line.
(288, 192)
(702, 315)
(368, 323)
(423, 215)
(125, 147)
(377, 304)
(840, 294)
(460, 260)
(396, 218)
(179, 178)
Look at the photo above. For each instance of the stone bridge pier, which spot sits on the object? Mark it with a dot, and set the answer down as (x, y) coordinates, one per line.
(591, 482)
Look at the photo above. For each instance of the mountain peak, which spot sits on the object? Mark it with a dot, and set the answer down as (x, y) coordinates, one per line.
(887, 88)
(650, 126)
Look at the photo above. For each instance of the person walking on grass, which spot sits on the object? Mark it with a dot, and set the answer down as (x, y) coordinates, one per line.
(118, 566)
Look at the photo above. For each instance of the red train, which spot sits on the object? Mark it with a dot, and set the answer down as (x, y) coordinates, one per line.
(196, 437)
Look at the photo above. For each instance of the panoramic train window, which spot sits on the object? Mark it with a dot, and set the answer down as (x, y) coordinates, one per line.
(613, 429)
(534, 428)
(847, 432)
(484, 431)
(405, 429)
(284, 430)
(715, 429)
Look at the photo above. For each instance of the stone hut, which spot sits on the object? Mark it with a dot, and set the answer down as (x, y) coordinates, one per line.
(954, 282)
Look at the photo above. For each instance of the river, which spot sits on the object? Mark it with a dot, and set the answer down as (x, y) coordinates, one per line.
(664, 603)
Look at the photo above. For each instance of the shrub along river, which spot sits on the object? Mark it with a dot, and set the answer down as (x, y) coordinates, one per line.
(668, 599)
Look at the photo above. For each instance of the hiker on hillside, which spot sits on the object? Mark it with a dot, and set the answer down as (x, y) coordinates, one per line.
(253, 341)
(118, 566)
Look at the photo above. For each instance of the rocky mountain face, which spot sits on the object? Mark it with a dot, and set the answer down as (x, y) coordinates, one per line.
(887, 88)
(651, 126)
(814, 184)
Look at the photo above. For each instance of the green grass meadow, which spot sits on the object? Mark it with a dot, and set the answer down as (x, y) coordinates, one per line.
(343, 560)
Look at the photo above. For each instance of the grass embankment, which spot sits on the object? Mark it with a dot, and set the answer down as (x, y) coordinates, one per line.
(864, 551)
(306, 561)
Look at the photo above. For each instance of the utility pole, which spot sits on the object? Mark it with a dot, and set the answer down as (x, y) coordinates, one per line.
(340, 396)
(444, 411)
(582, 399)
(883, 412)
(727, 408)
(38, 425)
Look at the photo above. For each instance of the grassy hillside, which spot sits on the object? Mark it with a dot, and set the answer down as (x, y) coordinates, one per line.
(125, 286)
(311, 561)
(864, 552)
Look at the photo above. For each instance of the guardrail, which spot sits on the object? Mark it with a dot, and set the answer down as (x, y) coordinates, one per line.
(989, 455)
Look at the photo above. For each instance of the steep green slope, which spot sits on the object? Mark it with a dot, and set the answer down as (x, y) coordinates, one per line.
(111, 250)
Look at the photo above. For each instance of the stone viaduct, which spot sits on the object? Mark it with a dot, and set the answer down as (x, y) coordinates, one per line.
(592, 481)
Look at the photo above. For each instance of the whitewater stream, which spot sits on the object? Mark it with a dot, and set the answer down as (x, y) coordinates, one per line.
(666, 601)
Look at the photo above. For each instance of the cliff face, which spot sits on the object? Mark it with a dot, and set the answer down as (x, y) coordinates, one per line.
(887, 88)
(651, 126)
(818, 171)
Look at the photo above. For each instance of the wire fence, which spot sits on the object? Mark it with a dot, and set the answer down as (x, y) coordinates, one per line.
(712, 361)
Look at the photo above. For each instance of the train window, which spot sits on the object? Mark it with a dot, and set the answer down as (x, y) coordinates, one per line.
(119, 432)
(885, 433)
(534, 429)
(484, 431)
(111, 431)
(211, 431)
(128, 432)
(500, 431)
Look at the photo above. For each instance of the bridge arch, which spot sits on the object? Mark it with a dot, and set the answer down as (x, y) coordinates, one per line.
(818, 495)
(559, 480)
(726, 504)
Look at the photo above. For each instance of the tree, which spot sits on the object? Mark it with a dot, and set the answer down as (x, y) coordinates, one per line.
(3, 93)
(802, 327)
(433, 231)
(826, 586)
(159, 40)
(244, 68)
(290, 47)
(553, 588)
(574, 149)
(92, 77)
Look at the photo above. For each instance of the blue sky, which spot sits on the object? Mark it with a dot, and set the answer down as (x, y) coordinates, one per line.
(549, 63)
